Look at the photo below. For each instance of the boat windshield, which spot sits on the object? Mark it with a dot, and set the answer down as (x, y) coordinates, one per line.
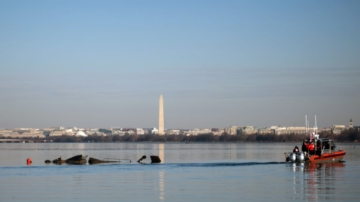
(327, 144)
(332, 145)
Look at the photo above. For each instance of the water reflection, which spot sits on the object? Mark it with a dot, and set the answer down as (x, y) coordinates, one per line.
(161, 186)
(233, 151)
(298, 167)
(161, 174)
(161, 152)
(315, 182)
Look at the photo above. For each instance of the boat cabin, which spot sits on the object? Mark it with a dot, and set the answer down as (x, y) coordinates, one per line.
(319, 145)
(324, 145)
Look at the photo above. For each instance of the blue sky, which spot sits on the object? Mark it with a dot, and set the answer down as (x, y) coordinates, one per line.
(217, 63)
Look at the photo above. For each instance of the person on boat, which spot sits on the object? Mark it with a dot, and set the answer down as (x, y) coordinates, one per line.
(308, 146)
(296, 150)
(305, 146)
(311, 147)
(318, 148)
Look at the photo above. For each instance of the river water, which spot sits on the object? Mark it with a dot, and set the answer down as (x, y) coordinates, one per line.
(188, 172)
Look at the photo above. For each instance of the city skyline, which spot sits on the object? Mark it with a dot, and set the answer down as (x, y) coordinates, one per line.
(309, 126)
(104, 63)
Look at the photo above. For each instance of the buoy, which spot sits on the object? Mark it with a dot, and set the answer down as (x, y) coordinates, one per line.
(28, 161)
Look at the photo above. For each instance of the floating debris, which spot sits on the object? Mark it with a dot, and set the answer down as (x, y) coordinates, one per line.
(58, 161)
(155, 159)
(142, 158)
(78, 159)
(107, 160)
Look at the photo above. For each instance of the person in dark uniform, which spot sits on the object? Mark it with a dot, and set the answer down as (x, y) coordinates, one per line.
(296, 150)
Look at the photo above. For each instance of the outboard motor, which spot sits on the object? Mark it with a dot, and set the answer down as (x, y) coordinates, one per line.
(292, 157)
(300, 157)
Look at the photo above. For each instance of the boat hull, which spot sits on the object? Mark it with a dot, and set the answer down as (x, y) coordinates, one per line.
(328, 157)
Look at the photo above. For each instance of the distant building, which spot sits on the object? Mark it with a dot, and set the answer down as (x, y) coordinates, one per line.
(249, 130)
(69, 132)
(153, 131)
(129, 131)
(296, 130)
(264, 131)
(280, 131)
(58, 128)
(217, 131)
(56, 133)
(81, 134)
(140, 131)
(197, 131)
(173, 132)
(325, 130)
(232, 130)
(337, 129)
(5, 133)
(116, 131)
(126, 131)
(30, 134)
(94, 130)
(26, 133)
(47, 131)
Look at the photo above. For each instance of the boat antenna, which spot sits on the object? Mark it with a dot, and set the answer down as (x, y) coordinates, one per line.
(308, 126)
(306, 123)
(315, 124)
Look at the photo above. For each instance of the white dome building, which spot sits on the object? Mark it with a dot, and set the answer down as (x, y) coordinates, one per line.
(81, 134)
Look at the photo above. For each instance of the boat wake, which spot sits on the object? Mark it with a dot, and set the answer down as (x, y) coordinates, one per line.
(227, 164)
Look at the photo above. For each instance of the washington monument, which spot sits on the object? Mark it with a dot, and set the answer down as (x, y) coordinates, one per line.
(161, 115)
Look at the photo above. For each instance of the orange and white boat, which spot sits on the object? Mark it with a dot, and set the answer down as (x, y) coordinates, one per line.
(324, 152)
(316, 150)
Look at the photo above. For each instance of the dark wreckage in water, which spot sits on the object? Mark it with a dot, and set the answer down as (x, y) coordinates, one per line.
(81, 160)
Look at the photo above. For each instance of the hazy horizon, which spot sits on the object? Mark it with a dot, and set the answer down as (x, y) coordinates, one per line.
(217, 64)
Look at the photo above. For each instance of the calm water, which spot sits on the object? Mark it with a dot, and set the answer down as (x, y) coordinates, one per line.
(189, 172)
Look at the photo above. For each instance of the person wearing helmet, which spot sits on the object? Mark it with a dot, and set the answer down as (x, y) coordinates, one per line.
(296, 150)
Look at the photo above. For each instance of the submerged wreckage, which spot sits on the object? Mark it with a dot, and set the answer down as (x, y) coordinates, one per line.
(107, 160)
(154, 159)
(78, 159)
(81, 160)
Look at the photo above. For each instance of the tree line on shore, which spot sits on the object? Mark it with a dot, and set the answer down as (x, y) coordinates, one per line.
(345, 136)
